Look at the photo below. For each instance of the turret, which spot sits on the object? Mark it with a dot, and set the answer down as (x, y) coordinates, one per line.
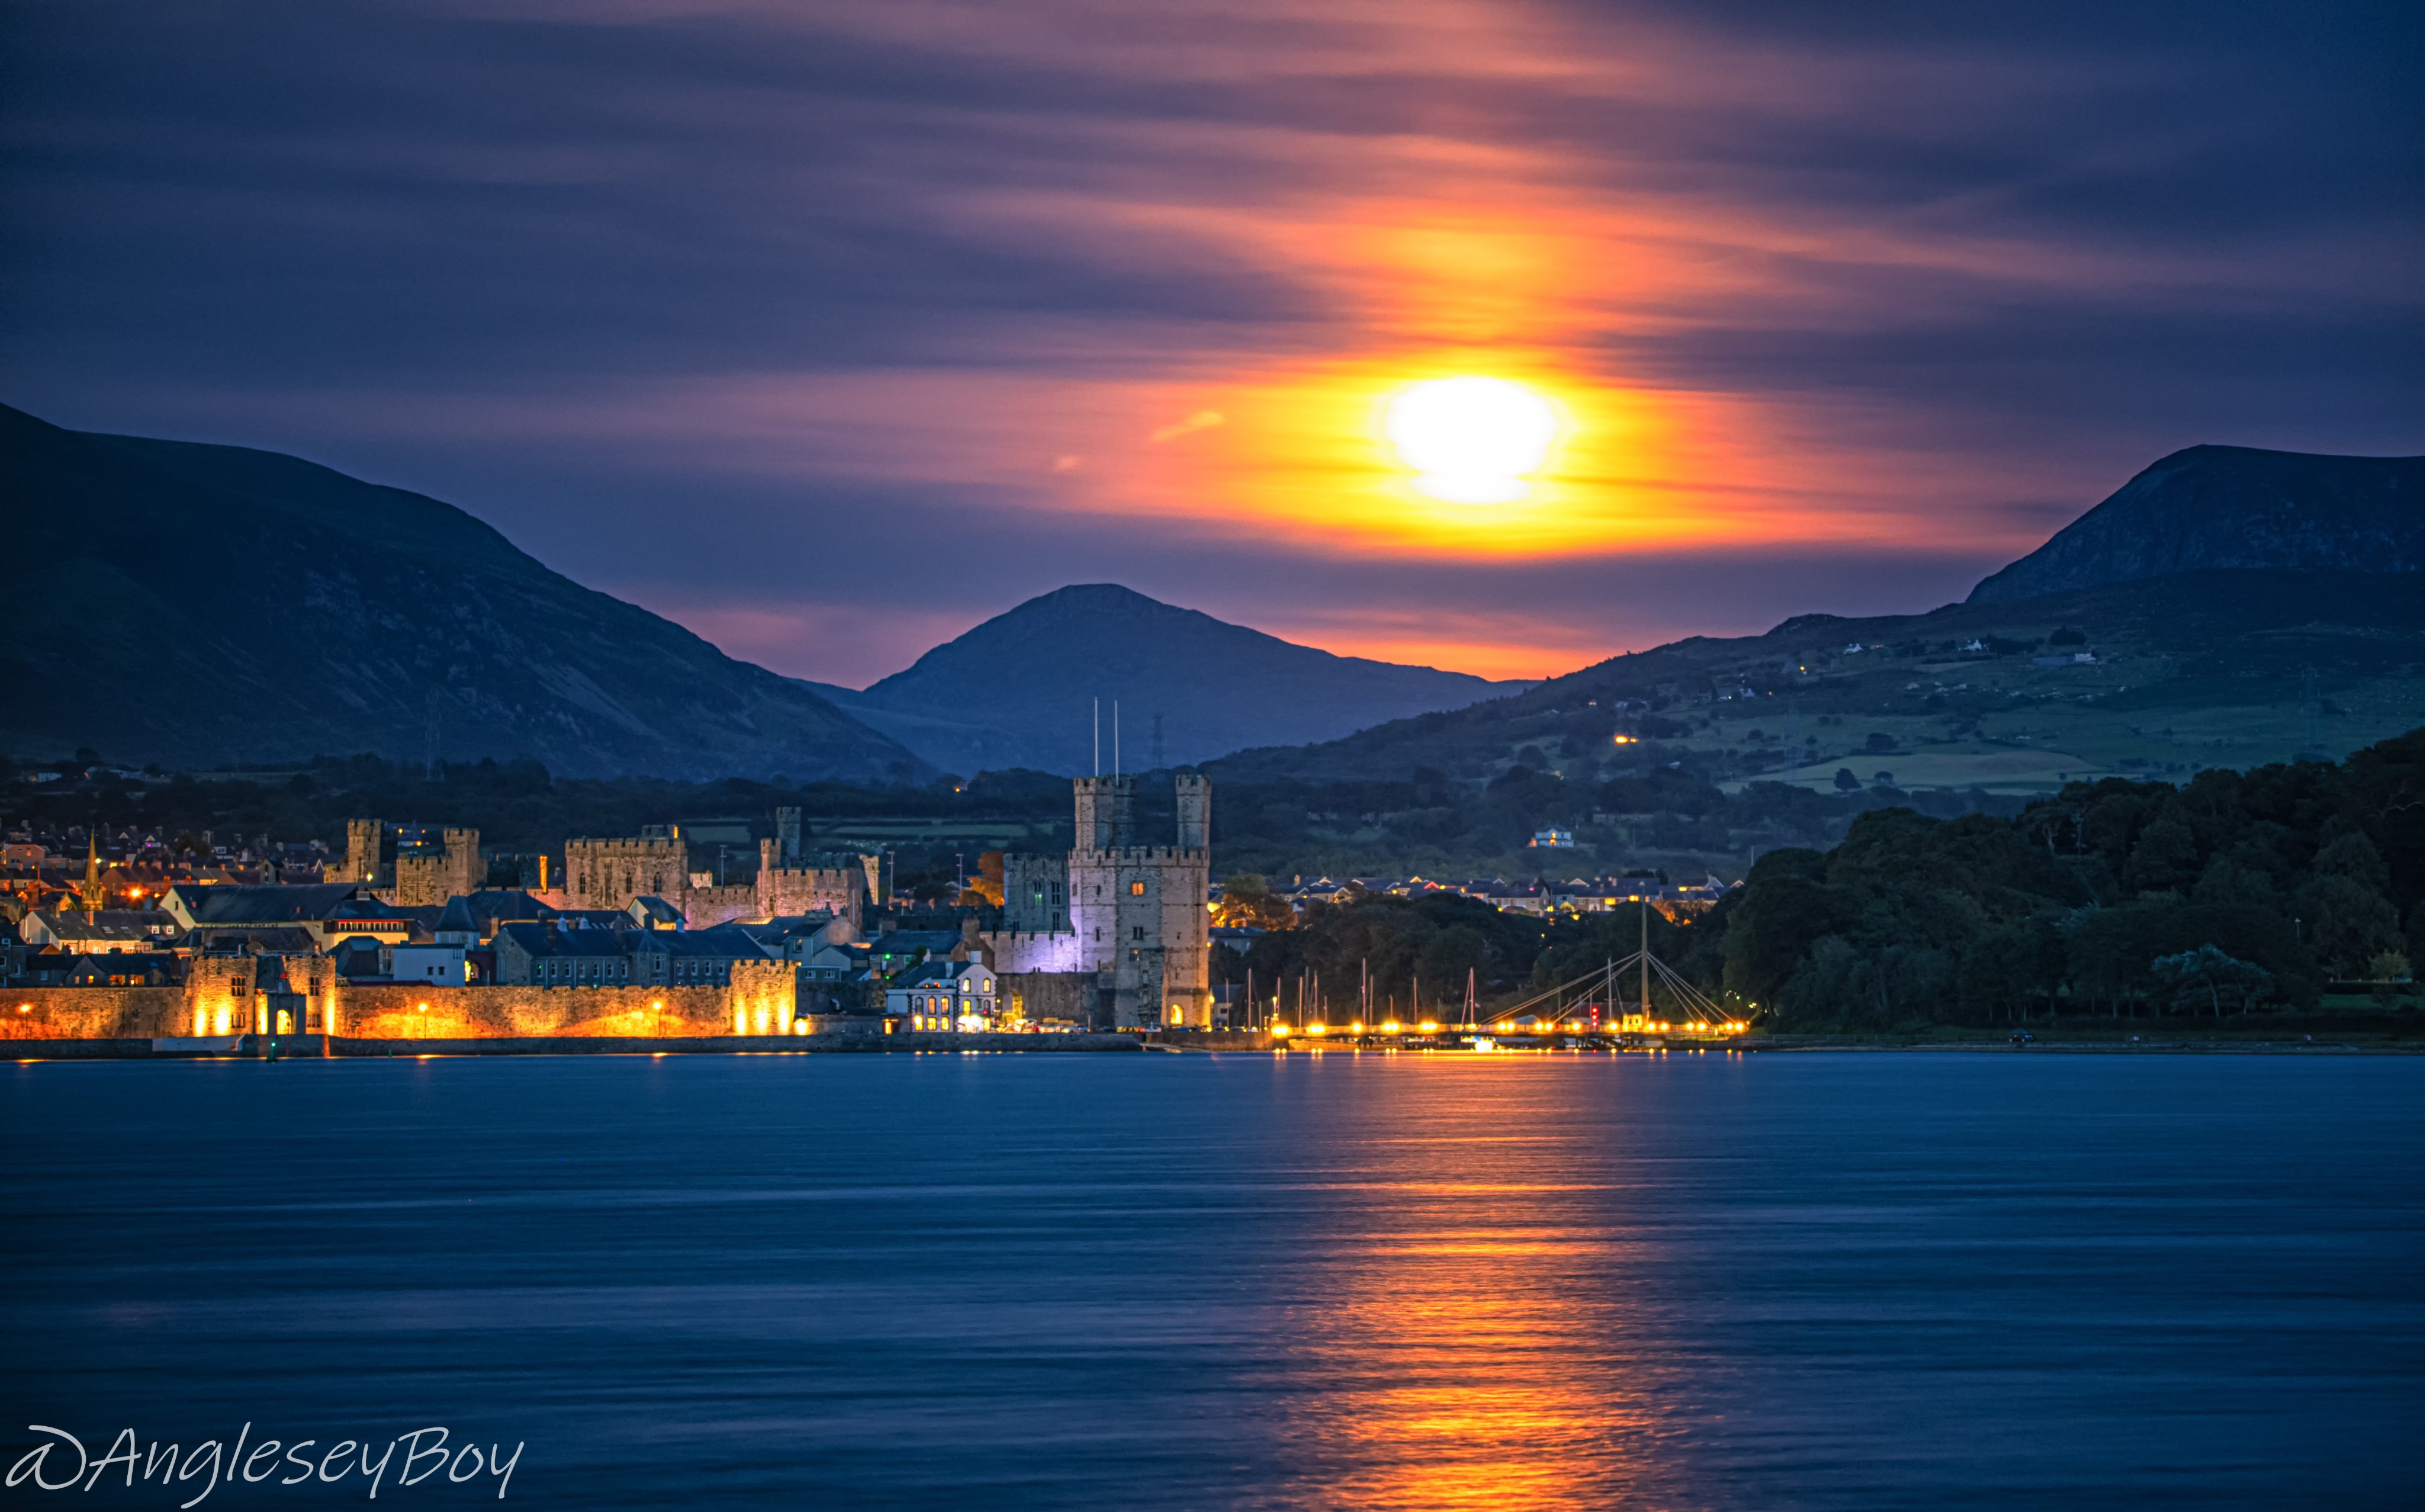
(1106, 811)
(1194, 812)
(362, 838)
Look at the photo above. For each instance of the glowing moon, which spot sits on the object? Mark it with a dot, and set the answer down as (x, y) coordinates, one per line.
(1471, 440)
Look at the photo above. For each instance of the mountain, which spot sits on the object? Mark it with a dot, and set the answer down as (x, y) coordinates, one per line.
(2231, 668)
(2227, 608)
(2225, 508)
(1020, 689)
(199, 605)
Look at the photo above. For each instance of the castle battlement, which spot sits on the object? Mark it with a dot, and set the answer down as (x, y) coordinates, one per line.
(1147, 853)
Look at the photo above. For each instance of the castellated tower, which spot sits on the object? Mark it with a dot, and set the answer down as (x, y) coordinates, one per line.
(1194, 812)
(1106, 811)
(785, 887)
(609, 873)
(363, 837)
(1140, 909)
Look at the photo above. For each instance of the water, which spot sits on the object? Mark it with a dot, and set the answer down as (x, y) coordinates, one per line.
(1854, 1281)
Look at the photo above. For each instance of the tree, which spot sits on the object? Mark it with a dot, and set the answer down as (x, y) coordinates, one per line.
(2208, 973)
(2355, 857)
(985, 888)
(1845, 781)
(1248, 902)
(2349, 921)
(2009, 965)
(1774, 927)
(2386, 972)
(2164, 859)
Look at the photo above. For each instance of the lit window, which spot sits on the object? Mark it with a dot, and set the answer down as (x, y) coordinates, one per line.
(1136, 889)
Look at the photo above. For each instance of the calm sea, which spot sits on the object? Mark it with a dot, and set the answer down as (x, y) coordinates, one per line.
(1149, 1281)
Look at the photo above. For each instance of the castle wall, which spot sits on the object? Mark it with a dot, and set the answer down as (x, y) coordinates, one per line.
(760, 1000)
(94, 1013)
(1010, 950)
(783, 890)
(1037, 996)
(703, 908)
(1035, 893)
(609, 873)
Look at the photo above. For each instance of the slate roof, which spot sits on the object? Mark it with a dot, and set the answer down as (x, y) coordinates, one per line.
(281, 939)
(493, 906)
(723, 943)
(266, 905)
(935, 973)
(656, 913)
(540, 941)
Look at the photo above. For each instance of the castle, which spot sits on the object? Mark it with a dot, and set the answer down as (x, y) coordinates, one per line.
(1113, 934)
(419, 875)
(612, 874)
(1128, 920)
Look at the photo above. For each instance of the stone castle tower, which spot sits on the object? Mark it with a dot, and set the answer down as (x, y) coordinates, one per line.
(786, 887)
(428, 877)
(417, 877)
(1140, 909)
(363, 843)
(610, 873)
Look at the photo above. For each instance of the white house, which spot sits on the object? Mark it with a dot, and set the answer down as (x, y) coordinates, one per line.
(945, 995)
(428, 965)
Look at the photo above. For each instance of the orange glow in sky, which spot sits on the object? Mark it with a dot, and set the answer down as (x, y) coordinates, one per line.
(1820, 314)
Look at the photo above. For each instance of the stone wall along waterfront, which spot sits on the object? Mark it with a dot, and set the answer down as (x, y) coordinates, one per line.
(219, 999)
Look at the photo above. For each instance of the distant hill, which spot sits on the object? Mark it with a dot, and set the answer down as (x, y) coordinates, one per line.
(198, 605)
(2227, 608)
(1019, 690)
(2233, 507)
(2231, 668)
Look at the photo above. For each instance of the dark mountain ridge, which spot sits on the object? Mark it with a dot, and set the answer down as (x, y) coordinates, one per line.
(1020, 689)
(2212, 508)
(198, 605)
(2207, 668)
(2227, 606)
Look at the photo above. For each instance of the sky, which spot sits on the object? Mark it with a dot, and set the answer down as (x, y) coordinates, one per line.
(832, 329)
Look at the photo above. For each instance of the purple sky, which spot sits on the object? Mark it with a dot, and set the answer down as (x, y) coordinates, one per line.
(832, 329)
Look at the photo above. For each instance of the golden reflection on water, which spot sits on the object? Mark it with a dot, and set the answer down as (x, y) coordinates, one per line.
(1468, 1325)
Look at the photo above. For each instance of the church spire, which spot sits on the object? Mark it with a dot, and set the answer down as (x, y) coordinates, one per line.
(90, 890)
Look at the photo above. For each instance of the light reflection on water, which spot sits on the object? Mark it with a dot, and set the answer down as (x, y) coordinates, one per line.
(1165, 1281)
(1470, 1346)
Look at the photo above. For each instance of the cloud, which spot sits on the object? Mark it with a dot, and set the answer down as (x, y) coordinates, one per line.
(1839, 296)
(1201, 420)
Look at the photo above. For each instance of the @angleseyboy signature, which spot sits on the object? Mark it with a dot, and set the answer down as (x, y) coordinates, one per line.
(212, 1462)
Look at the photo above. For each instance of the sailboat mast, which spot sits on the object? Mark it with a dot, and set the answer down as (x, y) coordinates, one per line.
(1646, 960)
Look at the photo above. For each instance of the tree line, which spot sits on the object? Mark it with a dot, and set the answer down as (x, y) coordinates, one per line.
(2230, 892)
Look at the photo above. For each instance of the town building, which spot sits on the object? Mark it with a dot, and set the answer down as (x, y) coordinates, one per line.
(545, 955)
(107, 931)
(943, 995)
(691, 957)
